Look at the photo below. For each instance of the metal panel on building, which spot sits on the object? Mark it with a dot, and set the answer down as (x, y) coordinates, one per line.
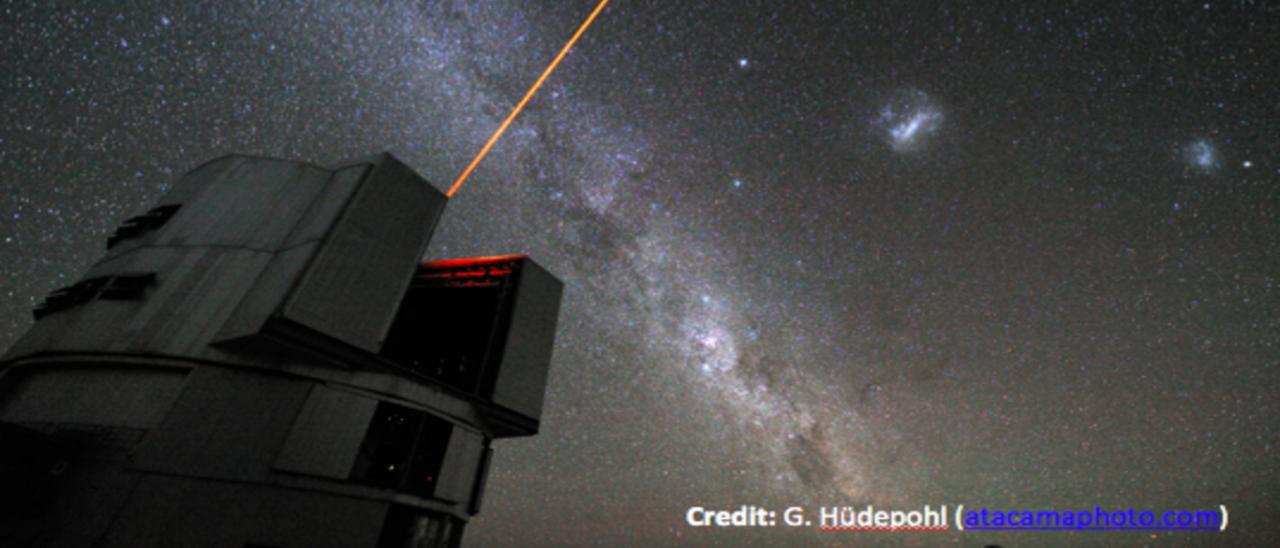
(461, 462)
(327, 434)
(345, 285)
(226, 424)
(528, 343)
(132, 397)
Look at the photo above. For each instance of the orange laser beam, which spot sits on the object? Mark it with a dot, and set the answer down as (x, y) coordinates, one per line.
(529, 95)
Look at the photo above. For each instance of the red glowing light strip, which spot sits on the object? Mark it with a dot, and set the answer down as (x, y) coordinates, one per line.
(473, 261)
(516, 111)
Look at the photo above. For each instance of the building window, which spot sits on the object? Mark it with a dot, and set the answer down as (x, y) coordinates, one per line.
(387, 446)
(411, 528)
(142, 224)
(403, 449)
(116, 287)
(127, 287)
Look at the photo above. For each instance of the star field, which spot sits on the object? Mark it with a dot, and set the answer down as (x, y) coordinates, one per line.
(814, 254)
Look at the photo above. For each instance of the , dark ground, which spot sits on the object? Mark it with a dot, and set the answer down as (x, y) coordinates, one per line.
(897, 254)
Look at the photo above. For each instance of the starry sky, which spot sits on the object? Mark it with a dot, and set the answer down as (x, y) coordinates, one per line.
(844, 253)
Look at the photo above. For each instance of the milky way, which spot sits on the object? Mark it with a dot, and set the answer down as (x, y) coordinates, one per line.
(813, 254)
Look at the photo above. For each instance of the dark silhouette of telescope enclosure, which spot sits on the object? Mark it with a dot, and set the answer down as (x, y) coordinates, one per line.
(261, 359)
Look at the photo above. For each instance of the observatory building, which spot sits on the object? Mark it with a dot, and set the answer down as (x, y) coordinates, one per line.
(261, 360)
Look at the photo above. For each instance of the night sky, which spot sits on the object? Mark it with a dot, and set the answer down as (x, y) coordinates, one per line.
(841, 253)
